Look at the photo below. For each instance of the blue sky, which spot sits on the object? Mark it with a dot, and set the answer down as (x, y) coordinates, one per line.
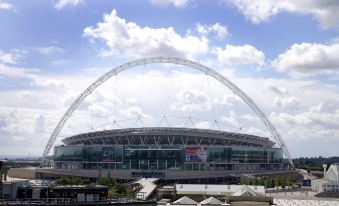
(283, 54)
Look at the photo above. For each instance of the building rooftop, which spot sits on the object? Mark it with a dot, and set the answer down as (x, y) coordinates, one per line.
(168, 136)
(229, 190)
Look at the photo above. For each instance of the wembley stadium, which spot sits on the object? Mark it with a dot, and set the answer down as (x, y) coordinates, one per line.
(158, 152)
(169, 153)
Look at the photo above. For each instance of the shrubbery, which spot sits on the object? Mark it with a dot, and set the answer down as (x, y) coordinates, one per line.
(71, 181)
(268, 183)
(115, 188)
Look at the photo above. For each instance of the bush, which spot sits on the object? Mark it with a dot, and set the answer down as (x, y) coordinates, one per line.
(71, 181)
(115, 189)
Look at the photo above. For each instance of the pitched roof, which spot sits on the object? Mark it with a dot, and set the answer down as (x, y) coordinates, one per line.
(245, 191)
(211, 201)
(185, 201)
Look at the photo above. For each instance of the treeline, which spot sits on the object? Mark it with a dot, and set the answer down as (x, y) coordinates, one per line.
(71, 181)
(268, 183)
(314, 163)
(115, 189)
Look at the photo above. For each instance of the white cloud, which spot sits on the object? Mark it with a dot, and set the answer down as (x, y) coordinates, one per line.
(11, 57)
(325, 12)
(220, 30)
(129, 38)
(194, 100)
(6, 6)
(32, 76)
(7, 58)
(314, 123)
(231, 119)
(39, 123)
(276, 89)
(10, 71)
(309, 59)
(230, 99)
(64, 3)
(134, 112)
(50, 50)
(290, 103)
(98, 111)
(245, 54)
(203, 125)
(175, 3)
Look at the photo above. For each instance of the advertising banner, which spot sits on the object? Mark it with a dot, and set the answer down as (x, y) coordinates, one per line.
(196, 154)
(108, 154)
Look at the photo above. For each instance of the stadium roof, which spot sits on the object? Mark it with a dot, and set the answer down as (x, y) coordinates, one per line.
(167, 136)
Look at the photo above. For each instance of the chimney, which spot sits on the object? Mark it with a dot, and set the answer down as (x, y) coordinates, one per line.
(325, 167)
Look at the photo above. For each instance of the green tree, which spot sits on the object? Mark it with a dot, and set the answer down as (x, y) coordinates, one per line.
(62, 181)
(112, 193)
(86, 182)
(243, 181)
(71, 181)
(250, 182)
(273, 183)
(75, 181)
(261, 181)
(110, 182)
(120, 189)
(268, 183)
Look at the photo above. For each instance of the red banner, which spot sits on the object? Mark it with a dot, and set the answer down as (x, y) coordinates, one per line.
(196, 154)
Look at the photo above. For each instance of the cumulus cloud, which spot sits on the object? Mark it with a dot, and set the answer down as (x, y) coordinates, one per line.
(276, 89)
(231, 119)
(245, 54)
(308, 119)
(290, 103)
(99, 111)
(6, 6)
(219, 30)
(307, 58)
(325, 12)
(203, 125)
(60, 4)
(134, 112)
(49, 50)
(33, 77)
(175, 3)
(230, 99)
(11, 57)
(131, 39)
(39, 126)
(194, 100)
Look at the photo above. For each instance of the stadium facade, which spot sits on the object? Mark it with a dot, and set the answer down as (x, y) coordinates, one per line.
(168, 153)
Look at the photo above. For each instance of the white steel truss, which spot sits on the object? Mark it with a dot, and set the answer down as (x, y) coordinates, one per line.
(171, 60)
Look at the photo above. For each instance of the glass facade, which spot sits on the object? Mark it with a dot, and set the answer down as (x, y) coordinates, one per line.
(176, 157)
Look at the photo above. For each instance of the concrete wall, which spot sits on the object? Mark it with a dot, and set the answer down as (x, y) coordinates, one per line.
(23, 173)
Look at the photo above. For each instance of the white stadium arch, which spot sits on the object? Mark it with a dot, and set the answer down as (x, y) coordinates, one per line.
(171, 60)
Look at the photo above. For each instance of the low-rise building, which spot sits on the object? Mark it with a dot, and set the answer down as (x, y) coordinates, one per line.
(10, 187)
(330, 183)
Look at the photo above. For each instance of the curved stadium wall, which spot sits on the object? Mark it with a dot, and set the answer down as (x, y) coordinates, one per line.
(168, 149)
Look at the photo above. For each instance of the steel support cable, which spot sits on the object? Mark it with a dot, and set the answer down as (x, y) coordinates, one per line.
(275, 134)
(213, 111)
(115, 99)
